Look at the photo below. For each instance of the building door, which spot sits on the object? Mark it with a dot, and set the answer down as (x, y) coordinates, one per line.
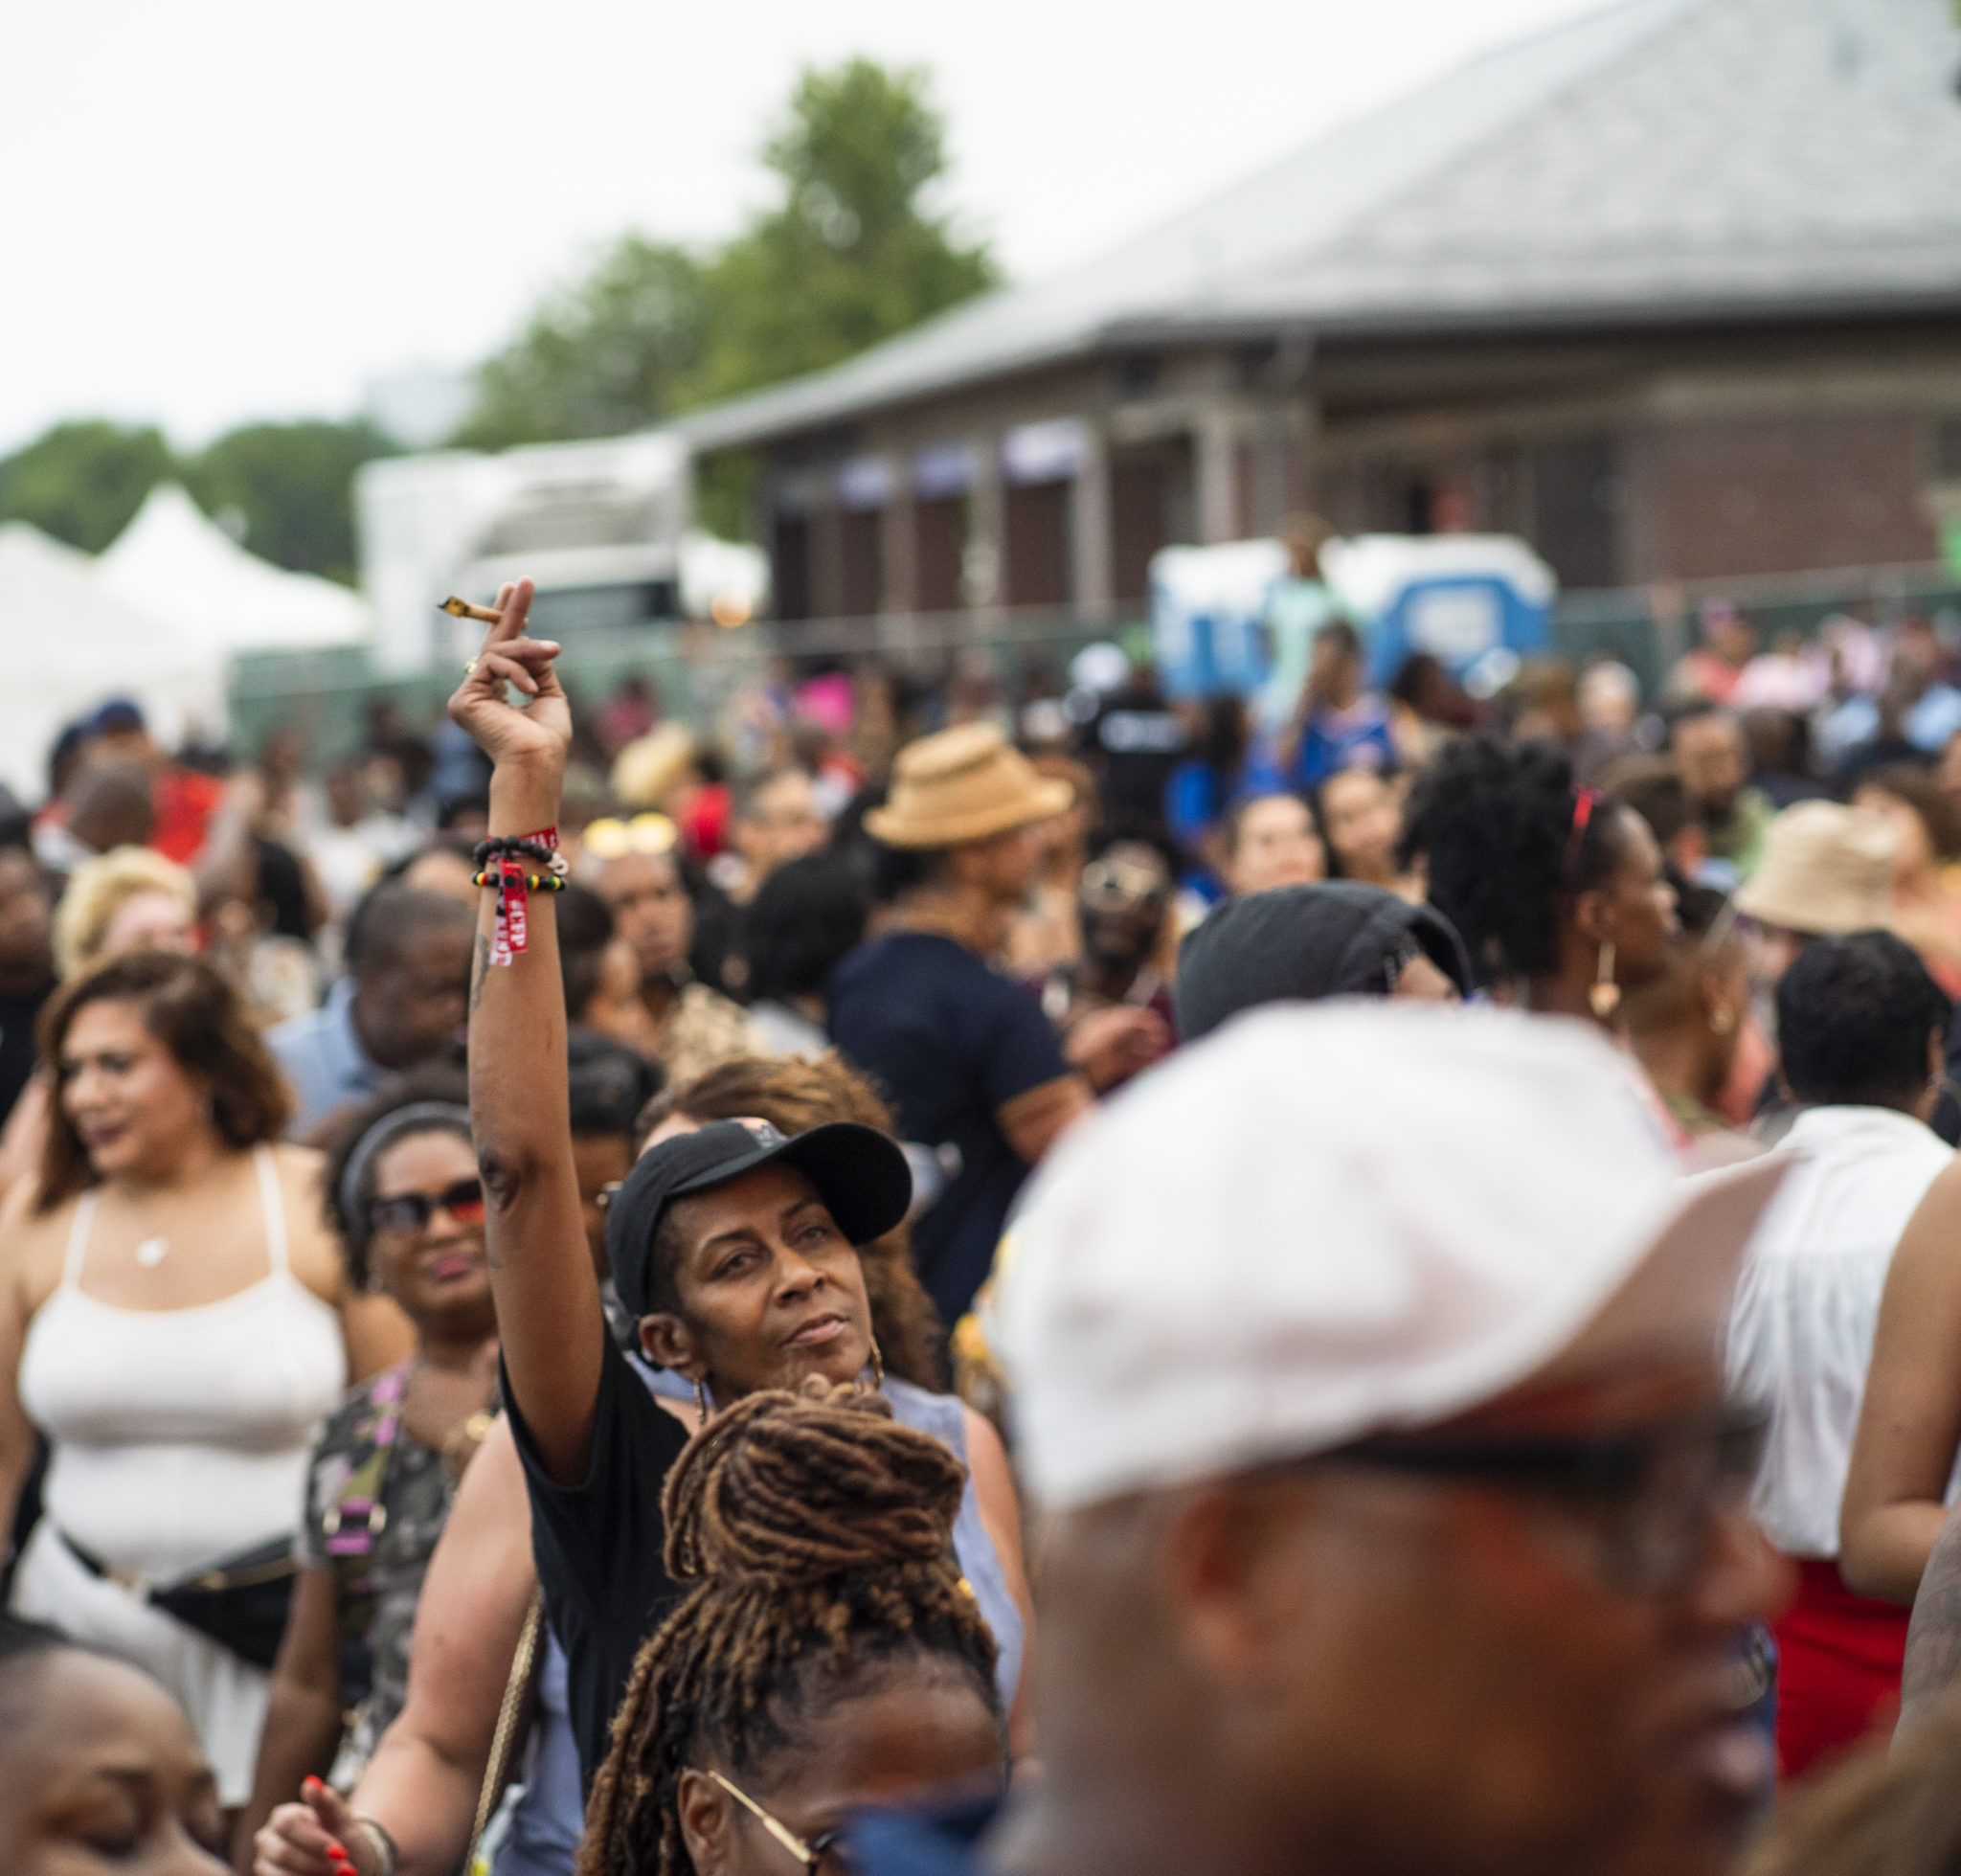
(790, 566)
(859, 575)
(941, 536)
(1038, 544)
(1574, 505)
(1151, 506)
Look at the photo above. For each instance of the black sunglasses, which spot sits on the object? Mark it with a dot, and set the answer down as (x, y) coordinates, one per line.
(411, 1211)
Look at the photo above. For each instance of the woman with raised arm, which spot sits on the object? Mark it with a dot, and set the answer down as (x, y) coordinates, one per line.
(732, 1246)
(422, 1786)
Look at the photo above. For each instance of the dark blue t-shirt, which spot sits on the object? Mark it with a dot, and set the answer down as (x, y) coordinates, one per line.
(949, 1042)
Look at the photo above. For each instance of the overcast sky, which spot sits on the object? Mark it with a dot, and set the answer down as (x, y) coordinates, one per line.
(217, 210)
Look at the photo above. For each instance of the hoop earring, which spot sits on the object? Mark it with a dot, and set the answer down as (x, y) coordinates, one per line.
(1603, 994)
(702, 1400)
(877, 1367)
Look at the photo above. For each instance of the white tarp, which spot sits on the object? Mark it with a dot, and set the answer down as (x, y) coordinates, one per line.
(73, 644)
(172, 562)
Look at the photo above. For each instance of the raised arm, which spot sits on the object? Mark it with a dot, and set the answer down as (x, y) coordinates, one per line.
(549, 1317)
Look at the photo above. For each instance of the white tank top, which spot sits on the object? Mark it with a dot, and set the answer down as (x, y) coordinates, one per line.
(181, 1435)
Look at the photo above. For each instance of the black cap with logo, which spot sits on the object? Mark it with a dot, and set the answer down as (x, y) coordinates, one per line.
(861, 1176)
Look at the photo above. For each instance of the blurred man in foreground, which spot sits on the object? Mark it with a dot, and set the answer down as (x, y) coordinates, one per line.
(1394, 1516)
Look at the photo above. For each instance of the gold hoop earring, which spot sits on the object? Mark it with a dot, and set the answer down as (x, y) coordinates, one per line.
(702, 1400)
(1603, 995)
(877, 1367)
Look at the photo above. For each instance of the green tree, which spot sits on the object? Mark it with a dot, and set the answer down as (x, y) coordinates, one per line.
(615, 352)
(81, 482)
(293, 485)
(850, 256)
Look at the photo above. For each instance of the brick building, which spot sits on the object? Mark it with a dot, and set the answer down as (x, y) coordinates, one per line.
(1673, 291)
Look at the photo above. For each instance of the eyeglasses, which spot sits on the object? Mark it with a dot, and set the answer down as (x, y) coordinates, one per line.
(1114, 883)
(1649, 1495)
(609, 837)
(411, 1211)
(819, 1852)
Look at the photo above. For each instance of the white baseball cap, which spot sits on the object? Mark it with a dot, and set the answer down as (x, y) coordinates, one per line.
(1332, 1220)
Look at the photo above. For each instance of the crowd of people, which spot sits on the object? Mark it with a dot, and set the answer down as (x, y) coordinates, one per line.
(918, 1282)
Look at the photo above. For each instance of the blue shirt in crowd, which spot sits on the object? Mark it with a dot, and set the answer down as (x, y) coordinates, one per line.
(323, 1059)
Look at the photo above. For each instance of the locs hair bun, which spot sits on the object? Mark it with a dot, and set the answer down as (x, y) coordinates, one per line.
(802, 1486)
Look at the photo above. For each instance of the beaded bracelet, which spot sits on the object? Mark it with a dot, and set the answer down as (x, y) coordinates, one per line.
(498, 860)
(529, 848)
(536, 882)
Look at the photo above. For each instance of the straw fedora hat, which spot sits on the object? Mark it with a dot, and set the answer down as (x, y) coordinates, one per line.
(1826, 870)
(960, 784)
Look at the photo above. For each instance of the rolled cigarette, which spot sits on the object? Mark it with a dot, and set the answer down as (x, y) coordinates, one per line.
(463, 609)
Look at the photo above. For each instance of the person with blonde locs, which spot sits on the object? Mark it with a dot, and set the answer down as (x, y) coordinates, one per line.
(828, 1657)
(732, 1246)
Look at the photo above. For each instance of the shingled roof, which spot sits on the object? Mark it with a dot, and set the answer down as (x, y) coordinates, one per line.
(1660, 159)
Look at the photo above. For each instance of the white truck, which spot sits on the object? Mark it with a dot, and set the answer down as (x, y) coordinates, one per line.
(602, 526)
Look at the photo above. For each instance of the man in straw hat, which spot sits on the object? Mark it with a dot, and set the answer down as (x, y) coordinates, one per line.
(972, 1070)
(1394, 1516)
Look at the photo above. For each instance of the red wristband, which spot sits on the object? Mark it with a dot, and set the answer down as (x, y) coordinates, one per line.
(511, 930)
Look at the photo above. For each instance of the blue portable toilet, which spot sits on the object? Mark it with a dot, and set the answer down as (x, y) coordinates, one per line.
(1209, 607)
(1479, 603)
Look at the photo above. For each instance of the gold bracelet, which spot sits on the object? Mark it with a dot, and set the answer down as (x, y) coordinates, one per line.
(379, 1835)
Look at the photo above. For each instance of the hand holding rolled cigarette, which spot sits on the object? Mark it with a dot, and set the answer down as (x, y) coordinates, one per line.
(540, 726)
(463, 609)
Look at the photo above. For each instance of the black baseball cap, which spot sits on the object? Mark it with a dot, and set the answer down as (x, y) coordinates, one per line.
(860, 1174)
(1297, 943)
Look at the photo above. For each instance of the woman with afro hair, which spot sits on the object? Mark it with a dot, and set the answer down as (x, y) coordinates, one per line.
(1558, 890)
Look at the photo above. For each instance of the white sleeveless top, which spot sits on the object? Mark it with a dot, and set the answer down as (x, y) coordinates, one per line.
(180, 1436)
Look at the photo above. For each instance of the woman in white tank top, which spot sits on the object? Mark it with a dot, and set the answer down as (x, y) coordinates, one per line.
(175, 1319)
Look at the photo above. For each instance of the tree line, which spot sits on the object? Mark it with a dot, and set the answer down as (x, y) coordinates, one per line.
(851, 251)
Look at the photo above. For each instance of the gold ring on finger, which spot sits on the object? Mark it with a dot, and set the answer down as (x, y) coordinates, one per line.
(469, 670)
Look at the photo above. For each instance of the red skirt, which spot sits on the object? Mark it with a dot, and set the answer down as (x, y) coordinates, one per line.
(1839, 1659)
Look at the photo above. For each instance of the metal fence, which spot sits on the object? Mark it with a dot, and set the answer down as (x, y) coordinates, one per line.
(328, 695)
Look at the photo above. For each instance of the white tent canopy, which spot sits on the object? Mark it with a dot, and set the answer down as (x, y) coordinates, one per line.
(73, 644)
(172, 562)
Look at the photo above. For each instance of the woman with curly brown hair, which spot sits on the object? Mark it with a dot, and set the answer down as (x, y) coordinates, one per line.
(828, 1655)
(175, 1316)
